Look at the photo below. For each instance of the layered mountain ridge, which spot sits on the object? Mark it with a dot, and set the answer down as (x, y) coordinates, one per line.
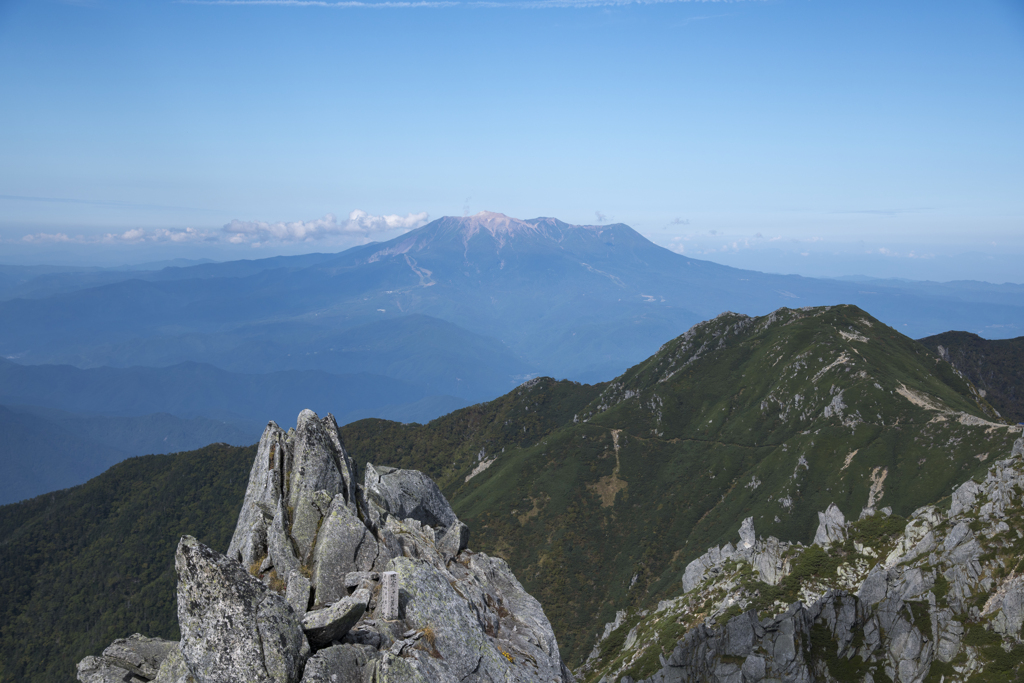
(458, 311)
(774, 417)
(599, 497)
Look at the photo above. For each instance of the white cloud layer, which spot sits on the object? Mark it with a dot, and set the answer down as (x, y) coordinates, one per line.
(360, 227)
(359, 224)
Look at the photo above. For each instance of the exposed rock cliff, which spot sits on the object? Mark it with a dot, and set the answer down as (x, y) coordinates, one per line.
(936, 597)
(300, 596)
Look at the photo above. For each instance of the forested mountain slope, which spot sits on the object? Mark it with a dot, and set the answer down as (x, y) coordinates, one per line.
(600, 495)
(994, 366)
(89, 564)
(773, 417)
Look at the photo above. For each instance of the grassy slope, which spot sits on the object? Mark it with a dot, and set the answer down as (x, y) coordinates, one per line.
(714, 428)
(995, 366)
(93, 563)
(576, 523)
(449, 447)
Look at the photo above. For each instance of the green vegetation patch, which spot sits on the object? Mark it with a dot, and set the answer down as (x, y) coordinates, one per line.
(90, 564)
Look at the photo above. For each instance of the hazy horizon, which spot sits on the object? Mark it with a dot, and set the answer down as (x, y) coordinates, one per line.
(810, 138)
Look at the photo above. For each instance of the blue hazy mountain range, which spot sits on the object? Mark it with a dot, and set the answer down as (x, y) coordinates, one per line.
(458, 311)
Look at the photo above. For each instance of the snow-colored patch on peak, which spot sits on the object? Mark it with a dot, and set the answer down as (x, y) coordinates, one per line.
(498, 224)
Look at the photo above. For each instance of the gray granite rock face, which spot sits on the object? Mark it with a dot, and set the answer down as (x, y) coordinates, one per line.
(319, 462)
(174, 670)
(293, 475)
(1007, 605)
(140, 655)
(102, 670)
(232, 627)
(344, 545)
(340, 664)
(298, 596)
(767, 556)
(297, 593)
(408, 494)
(880, 616)
(831, 527)
(328, 624)
(747, 535)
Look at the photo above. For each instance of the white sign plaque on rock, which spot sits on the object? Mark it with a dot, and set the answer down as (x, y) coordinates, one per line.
(388, 596)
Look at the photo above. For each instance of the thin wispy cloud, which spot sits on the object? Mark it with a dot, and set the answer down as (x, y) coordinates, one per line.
(360, 227)
(392, 4)
(884, 212)
(92, 202)
(133, 236)
(345, 4)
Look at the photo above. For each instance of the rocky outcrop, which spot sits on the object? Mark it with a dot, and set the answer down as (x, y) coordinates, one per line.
(297, 597)
(766, 556)
(135, 658)
(831, 527)
(940, 600)
(233, 627)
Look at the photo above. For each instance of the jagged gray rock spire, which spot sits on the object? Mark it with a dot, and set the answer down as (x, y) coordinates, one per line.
(301, 472)
(295, 600)
(831, 527)
(766, 556)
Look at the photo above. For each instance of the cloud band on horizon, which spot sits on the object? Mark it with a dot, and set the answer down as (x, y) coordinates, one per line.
(358, 227)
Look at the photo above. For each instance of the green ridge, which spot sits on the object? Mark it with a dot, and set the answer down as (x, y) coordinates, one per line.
(994, 366)
(710, 431)
(713, 413)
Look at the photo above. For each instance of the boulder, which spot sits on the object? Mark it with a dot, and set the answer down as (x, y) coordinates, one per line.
(408, 494)
(139, 654)
(454, 541)
(344, 545)
(339, 664)
(326, 625)
(233, 628)
(102, 670)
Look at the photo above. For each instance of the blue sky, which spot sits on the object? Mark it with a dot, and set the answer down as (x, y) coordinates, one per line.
(811, 136)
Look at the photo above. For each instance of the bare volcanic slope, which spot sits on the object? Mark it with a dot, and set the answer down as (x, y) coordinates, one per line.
(521, 296)
(772, 418)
